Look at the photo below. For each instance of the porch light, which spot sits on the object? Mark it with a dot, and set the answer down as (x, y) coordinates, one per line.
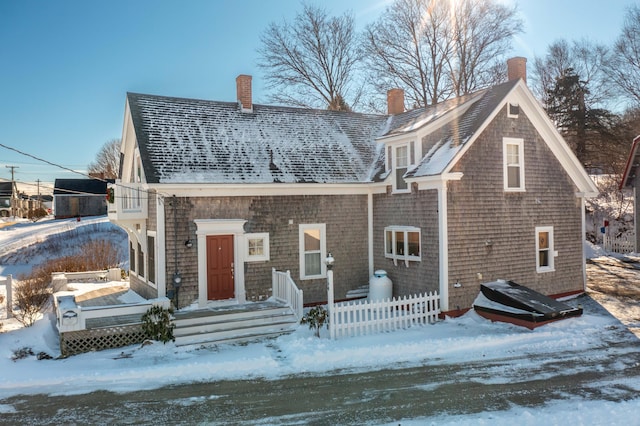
(188, 244)
(329, 261)
(177, 279)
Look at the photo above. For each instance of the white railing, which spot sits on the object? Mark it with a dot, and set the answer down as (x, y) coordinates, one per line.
(622, 245)
(358, 318)
(7, 282)
(285, 290)
(72, 317)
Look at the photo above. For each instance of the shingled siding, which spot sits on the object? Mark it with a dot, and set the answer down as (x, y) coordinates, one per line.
(492, 233)
(346, 232)
(418, 209)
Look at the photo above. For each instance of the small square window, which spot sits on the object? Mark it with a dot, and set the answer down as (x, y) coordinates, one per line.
(257, 247)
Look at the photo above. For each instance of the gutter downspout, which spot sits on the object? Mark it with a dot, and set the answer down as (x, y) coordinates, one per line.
(443, 247)
(584, 235)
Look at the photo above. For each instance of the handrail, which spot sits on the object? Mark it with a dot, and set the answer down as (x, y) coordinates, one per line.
(285, 290)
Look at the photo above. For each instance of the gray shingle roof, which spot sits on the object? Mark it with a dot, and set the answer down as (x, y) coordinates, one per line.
(194, 141)
(199, 141)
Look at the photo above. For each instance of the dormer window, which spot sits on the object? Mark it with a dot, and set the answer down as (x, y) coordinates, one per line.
(401, 165)
(513, 110)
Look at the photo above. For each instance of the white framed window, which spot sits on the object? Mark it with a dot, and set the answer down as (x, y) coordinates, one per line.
(402, 243)
(401, 164)
(513, 110)
(513, 157)
(151, 257)
(257, 247)
(545, 253)
(313, 251)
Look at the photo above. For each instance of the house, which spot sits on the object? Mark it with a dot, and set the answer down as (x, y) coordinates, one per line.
(214, 195)
(79, 198)
(8, 198)
(631, 179)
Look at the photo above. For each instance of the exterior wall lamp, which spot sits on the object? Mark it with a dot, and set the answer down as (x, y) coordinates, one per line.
(188, 244)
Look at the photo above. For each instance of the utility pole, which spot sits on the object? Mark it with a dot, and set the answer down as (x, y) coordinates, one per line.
(14, 199)
(39, 202)
(12, 171)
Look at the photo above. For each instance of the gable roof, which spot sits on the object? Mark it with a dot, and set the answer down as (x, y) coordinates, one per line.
(633, 163)
(79, 187)
(197, 141)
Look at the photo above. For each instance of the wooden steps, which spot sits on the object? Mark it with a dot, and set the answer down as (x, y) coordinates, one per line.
(233, 323)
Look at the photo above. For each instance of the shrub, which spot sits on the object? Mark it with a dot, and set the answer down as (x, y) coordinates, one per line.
(157, 325)
(316, 317)
(37, 214)
(32, 295)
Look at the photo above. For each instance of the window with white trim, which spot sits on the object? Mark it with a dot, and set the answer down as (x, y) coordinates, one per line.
(313, 251)
(401, 165)
(151, 258)
(513, 110)
(402, 243)
(257, 245)
(545, 253)
(140, 261)
(132, 257)
(513, 156)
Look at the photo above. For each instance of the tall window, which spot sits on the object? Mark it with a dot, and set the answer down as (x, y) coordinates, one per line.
(313, 251)
(151, 256)
(544, 249)
(132, 257)
(513, 154)
(402, 164)
(140, 261)
(402, 243)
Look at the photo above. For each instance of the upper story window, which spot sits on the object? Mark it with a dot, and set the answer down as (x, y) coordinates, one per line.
(544, 249)
(402, 243)
(513, 157)
(401, 165)
(313, 251)
(513, 110)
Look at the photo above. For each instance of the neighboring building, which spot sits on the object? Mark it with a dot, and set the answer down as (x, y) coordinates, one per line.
(443, 198)
(631, 179)
(9, 199)
(79, 198)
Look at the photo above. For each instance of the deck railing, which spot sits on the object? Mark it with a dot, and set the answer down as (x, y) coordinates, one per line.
(285, 290)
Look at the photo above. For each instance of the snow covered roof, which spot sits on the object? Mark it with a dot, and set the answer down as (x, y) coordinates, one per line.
(199, 141)
(456, 133)
(79, 187)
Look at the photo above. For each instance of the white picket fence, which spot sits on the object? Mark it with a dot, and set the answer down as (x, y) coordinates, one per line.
(622, 245)
(362, 317)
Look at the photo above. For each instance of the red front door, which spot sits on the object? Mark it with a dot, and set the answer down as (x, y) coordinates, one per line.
(220, 267)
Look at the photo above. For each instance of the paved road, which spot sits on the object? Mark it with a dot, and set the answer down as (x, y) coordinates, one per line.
(376, 397)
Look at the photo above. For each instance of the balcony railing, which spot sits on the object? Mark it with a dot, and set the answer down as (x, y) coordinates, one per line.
(127, 201)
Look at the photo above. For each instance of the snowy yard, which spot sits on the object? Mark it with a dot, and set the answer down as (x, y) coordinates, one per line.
(497, 354)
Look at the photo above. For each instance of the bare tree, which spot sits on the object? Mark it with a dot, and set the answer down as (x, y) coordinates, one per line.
(482, 32)
(583, 58)
(312, 61)
(436, 49)
(107, 160)
(624, 66)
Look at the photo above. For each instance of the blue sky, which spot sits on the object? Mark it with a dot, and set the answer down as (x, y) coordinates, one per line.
(65, 66)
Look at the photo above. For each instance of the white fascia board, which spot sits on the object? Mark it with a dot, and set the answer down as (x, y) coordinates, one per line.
(435, 181)
(259, 189)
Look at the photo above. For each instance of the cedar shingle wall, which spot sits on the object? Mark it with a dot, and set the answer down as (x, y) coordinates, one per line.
(418, 209)
(480, 211)
(346, 232)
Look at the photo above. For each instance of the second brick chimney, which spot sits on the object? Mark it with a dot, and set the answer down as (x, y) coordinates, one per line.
(395, 101)
(517, 68)
(243, 90)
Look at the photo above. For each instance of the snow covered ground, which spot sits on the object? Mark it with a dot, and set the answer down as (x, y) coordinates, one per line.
(465, 340)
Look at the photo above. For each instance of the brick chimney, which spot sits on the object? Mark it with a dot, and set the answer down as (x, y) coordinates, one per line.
(517, 68)
(243, 90)
(395, 101)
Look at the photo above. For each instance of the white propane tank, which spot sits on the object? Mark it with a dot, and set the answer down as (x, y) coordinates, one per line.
(380, 286)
